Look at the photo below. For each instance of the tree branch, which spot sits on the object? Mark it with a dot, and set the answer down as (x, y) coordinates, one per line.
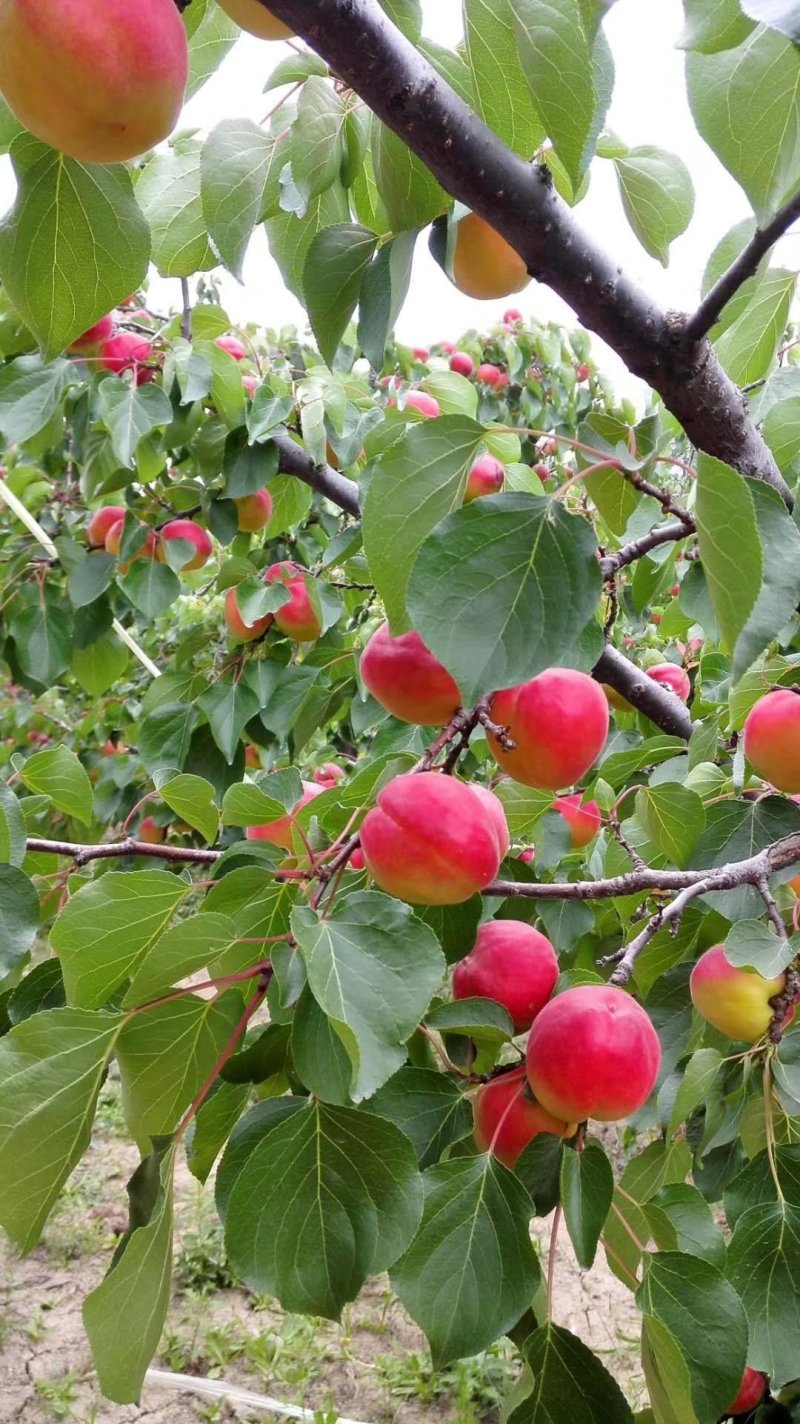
(518, 198)
(295, 461)
(664, 708)
(746, 265)
(629, 553)
(82, 854)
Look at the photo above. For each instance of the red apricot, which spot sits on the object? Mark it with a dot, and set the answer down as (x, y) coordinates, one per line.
(357, 861)
(772, 739)
(301, 617)
(406, 679)
(252, 760)
(126, 351)
(583, 817)
(240, 631)
(148, 550)
(507, 1118)
(232, 344)
(101, 522)
(421, 353)
(254, 511)
(593, 1052)
(490, 375)
(486, 477)
(249, 15)
(512, 963)
(559, 724)
(249, 385)
(92, 340)
(512, 317)
(279, 832)
(736, 1001)
(422, 402)
(462, 363)
(193, 534)
(672, 676)
(150, 833)
(484, 265)
(431, 841)
(329, 775)
(101, 83)
(751, 1392)
(582, 373)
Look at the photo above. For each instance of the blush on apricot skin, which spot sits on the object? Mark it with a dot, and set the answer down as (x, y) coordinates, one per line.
(506, 1118)
(559, 723)
(772, 739)
(512, 963)
(407, 680)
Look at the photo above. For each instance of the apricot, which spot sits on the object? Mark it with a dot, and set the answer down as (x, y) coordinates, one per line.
(279, 832)
(583, 817)
(490, 375)
(431, 841)
(506, 1118)
(126, 351)
(484, 265)
(462, 363)
(193, 534)
(357, 861)
(421, 353)
(772, 739)
(672, 676)
(487, 476)
(101, 522)
(99, 82)
(406, 679)
(559, 723)
(92, 340)
(148, 550)
(512, 963)
(751, 1392)
(249, 385)
(301, 617)
(512, 317)
(329, 775)
(422, 402)
(254, 511)
(616, 700)
(736, 1001)
(252, 760)
(240, 631)
(582, 373)
(150, 833)
(256, 20)
(232, 344)
(593, 1052)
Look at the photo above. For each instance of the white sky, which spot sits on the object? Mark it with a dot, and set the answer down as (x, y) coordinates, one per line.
(649, 107)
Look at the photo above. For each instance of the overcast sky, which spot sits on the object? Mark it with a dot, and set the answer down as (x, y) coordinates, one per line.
(649, 107)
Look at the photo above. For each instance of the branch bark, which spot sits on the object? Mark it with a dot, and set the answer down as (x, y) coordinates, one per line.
(629, 553)
(662, 706)
(295, 461)
(366, 50)
(746, 265)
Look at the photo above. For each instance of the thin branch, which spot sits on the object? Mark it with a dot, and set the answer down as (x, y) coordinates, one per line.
(360, 43)
(664, 498)
(672, 912)
(746, 265)
(629, 553)
(82, 854)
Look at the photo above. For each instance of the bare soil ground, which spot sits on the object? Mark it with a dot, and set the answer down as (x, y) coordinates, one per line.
(372, 1367)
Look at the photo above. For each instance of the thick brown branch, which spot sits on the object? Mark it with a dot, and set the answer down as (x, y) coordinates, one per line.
(367, 52)
(338, 488)
(661, 706)
(746, 265)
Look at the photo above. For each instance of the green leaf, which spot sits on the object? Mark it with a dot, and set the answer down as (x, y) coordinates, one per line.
(130, 412)
(709, 30)
(107, 927)
(420, 479)
(372, 968)
(335, 265)
(52, 1067)
(236, 167)
(668, 1379)
(752, 944)
(228, 706)
(504, 98)
(764, 1266)
(698, 1078)
(706, 1318)
(42, 631)
(673, 817)
(484, 1022)
(124, 1316)
(168, 193)
(410, 193)
(318, 1054)
(682, 1220)
(19, 917)
(752, 139)
(428, 1107)
(734, 831)
(57, 773)
(315, 146)
(343, 1183)
(12, 828)
(384, 288)
(30, 395)
(724, 254)
(191, 798)
(74, 244)
(212, 1127)
(211, 34)
(556, 59)
(730, 547)
(99, 666)
(587, 1186)
(782, 433)
(291, 236)
(151, 586)
(182, 950)
(90, 578)
(227, 393)
(658, 197)
(165, 735)
(253, 805)
(535, 599)
(748, 347)
(167, 1053)
(566, 1374)
(780, 590)
(471, 1271)
(658, 1165)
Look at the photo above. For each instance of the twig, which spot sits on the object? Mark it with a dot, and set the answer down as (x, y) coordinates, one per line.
(672, 912)
(629, 553)
(82, 854)
(186, 316)
(763, 888)
(245, 1398)
(745, 266)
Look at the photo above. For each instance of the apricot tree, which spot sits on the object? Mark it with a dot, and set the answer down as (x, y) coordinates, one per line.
(400, 746)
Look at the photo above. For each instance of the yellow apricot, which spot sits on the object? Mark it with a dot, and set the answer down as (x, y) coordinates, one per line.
(484, 265)
(100, 83)
(253, 17)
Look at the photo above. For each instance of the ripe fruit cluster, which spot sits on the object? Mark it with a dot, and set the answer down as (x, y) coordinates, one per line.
(299, 618)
